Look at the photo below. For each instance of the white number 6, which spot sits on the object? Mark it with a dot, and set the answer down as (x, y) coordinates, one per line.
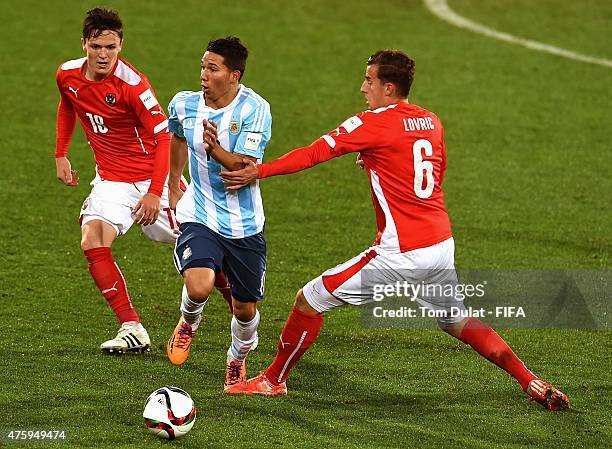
(421, 166)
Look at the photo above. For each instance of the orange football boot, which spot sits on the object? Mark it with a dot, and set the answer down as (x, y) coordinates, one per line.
(235, 373)
(179, 344)
(258, 385)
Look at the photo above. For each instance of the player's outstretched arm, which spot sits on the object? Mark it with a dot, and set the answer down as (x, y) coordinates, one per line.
(292, 162)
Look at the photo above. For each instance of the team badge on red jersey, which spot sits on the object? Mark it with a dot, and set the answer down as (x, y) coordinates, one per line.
(110, 99)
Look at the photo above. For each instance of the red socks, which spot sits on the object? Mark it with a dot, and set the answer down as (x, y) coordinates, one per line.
(492, 347)
(108, 278)
(224, 288)
(300, 331)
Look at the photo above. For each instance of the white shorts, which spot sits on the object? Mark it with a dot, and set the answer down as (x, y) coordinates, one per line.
(112, 202)
(355, 281)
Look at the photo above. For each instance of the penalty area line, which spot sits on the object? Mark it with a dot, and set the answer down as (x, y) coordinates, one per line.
(440, 9)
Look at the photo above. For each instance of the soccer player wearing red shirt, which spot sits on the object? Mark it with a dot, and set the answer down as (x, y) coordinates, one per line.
(127, 131)
(402, 148)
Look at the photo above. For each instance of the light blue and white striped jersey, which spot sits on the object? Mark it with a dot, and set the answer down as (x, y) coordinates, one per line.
(244, 126)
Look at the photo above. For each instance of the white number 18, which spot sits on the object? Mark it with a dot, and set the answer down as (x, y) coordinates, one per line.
(97, 123)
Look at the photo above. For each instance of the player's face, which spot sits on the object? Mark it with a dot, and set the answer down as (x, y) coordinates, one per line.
(102, 52)
(218, 80)
(375, 91)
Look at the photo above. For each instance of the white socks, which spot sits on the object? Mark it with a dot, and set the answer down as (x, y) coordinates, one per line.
(191, 310)
(244, 336)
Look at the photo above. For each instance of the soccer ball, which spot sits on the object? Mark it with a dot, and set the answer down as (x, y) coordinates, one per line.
(169, 413)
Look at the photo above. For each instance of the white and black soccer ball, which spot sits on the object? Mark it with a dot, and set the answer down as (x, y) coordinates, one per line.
(169, 413)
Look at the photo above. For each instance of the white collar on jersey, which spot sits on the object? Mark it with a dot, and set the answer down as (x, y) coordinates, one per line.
(232, 103)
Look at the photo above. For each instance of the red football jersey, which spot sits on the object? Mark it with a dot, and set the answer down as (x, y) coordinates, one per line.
(402, 146)
(123, 121)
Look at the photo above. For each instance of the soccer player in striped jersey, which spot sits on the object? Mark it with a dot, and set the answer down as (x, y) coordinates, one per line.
(220, 230)
(126, 129)
(401, 146)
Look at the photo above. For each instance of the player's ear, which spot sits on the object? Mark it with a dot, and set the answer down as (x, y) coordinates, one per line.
(389, 89)
(83, 42)
(236, 76)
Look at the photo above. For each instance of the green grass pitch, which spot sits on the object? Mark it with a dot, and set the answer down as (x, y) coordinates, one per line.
(528, 186)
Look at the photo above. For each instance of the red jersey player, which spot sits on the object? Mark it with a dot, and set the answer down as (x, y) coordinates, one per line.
(401, 146)
(127, 131)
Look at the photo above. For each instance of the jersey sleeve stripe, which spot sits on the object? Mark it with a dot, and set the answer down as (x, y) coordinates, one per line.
(330, 140)
(160, 127)
(260, 114)
(264, 115)
(257, 115)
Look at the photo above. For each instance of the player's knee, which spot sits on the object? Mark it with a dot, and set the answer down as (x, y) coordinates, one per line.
(199, 283)
(443, 325)
(244, 311)
(300, 299)
(453, 329)
(97, 233)
(88, 242)
(198, 289)
(302, 304)
(85, 245)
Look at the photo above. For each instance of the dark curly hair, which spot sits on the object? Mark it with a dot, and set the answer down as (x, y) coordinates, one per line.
(98, 20)
(234, 53)
(394, 67)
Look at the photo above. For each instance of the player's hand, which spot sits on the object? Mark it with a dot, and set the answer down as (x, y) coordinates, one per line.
(211, 139)
(174, 195)
(360, 162)
(65, 173)
(147, 209)
(235, 180)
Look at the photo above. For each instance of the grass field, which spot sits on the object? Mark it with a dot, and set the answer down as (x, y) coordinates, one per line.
(528, 186)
